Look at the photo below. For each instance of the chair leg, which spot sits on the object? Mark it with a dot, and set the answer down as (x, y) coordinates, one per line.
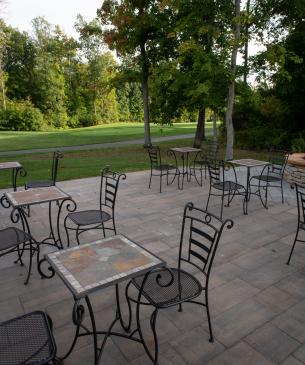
(77, 233)
(211, 339)
(113, 223)
(153, 320)
(161, 183)
(30, 265)
(292, 248)
(266, 196)
(207, 205)
(221, 210)
(67, 233)
(282, 191)
(150, 180)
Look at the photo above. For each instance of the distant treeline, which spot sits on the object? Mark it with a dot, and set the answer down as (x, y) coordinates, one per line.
(50, 80)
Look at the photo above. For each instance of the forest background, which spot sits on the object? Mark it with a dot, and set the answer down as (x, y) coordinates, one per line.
(49, 80)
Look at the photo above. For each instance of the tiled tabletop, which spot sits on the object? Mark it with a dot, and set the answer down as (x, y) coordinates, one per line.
(93, 266)
(10, 165)
(185, 149)
(35, 196)
(248, 162)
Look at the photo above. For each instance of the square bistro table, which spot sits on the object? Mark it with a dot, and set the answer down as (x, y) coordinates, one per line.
(184, 153)
(25, 198)
(248, 163)
(16, 168)
(94, 266)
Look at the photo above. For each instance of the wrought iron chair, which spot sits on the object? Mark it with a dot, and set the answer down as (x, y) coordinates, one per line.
(300, 193)
(223, 185)
(15, 240)
(271, 176)
(168, 287)
(209, 153)
(28, 340)
(157, 168)
(45, 183)
(86, 220)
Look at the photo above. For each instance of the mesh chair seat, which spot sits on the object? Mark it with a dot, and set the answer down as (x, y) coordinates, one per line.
(167, 296)
(200, 162)
(87, 217)
(26, 340)
(39, 184)
(10, 237)
(267, 178)
(227, 186)
(165, 167)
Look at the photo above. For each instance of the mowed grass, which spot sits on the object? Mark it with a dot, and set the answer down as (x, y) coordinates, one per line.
(12, 141)
(81, 164)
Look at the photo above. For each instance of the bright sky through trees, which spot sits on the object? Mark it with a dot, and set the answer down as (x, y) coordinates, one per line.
(19, 13)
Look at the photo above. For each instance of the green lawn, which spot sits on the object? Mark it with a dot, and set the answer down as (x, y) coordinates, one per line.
(12, 141)
(80, 164)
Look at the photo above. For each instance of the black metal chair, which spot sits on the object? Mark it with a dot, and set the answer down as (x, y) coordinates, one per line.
(45, 183)
(157, 168)
(271, 176)
(165, 288)
(28, 340)
(223, 182)
(300, 193)
(15, 240)
(86, 220)
(208, 153)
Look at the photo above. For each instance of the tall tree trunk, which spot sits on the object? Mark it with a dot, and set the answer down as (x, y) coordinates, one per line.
(246, 51)
(145, 73)
(200, 130)
(2, 87)
(214, 119)
(231, 89)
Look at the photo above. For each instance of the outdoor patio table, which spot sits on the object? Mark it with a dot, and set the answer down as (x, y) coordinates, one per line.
(94, 266)
(20, 200)
(248, 163)
(184, 154)
(16, 168)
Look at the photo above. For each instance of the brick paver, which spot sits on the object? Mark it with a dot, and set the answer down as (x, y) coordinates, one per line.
(257, 301)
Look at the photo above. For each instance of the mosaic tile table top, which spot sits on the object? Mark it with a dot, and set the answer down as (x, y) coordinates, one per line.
(185, 149)
(249, 162)
(92, 266)
(10, 165)
(35, 196)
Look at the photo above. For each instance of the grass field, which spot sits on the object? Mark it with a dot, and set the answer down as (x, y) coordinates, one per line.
(80, 164)
(12, 141)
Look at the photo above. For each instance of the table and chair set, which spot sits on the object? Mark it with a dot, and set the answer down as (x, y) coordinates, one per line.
(119, 262)
(223, 178)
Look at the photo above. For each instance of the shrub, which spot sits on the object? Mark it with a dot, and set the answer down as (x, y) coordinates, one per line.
(298, 144)
(21, 116)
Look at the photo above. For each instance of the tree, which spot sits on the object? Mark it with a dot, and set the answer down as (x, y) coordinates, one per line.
(138, 29)
(193, 78)
(231, 88)
(3, 45)
(49, 82)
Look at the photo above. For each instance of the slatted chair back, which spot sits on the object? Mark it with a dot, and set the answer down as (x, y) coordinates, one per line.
(154, 154)
(56, 156)
(278, 162)
(210, 150)
(154, 157)
(109, 188)
(216, 171)
(200, 235)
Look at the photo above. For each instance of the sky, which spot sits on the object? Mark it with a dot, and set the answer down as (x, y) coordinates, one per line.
(19, 13)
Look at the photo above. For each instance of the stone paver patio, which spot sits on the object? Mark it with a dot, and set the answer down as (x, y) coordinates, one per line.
(257, 302)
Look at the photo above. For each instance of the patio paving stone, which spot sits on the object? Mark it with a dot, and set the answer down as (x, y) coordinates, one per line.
(257, 302)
